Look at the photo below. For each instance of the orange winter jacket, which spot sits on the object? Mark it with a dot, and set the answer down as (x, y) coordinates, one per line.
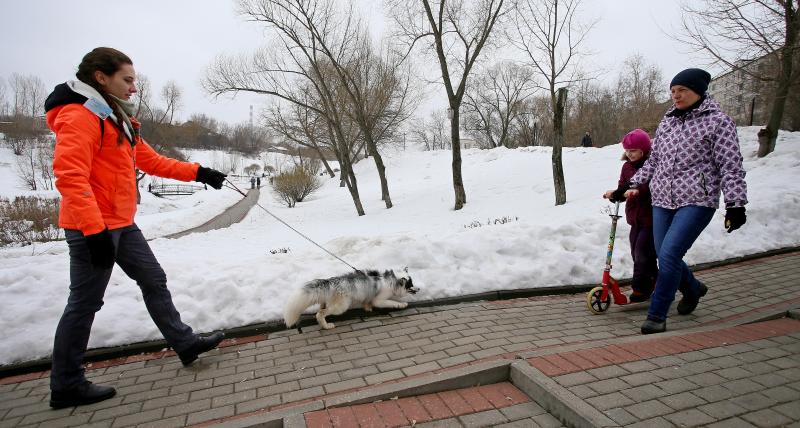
(96, 176)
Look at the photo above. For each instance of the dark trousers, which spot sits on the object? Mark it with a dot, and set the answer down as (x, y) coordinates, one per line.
(645, 267)
(86, 290)
(674, 231)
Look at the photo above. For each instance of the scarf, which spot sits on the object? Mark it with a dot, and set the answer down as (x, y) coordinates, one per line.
(126, 109)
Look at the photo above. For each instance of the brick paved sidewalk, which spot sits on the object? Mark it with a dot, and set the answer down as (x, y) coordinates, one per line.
(708, 368)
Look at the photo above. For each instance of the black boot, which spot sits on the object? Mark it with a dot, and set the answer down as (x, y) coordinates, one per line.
(203, 344)
(86, 393)
(689, 301)
(651, 326)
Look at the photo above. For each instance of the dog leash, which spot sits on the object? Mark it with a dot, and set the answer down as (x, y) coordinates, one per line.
(233, 187)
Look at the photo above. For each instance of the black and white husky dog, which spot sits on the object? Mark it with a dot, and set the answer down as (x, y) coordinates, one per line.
(368, 289)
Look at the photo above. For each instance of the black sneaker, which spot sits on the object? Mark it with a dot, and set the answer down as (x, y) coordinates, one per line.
(86, 393)
(203, 344)
(689, 302)
(651, 326)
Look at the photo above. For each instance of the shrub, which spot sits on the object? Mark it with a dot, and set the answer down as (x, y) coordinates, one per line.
(28, 219)
(294, 186)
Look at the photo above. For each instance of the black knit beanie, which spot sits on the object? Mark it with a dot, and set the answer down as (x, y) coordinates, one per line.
(693, 78)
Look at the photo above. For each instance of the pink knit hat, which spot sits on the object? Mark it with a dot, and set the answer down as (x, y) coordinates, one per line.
(637, 139)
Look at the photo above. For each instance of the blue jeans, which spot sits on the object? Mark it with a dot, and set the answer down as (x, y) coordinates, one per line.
(674, 232)
(86, 290)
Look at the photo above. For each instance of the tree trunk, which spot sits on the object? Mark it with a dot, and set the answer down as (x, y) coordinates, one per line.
(328, 168)
(458, 183)
(767, 145)
(558, 143)
(373, 150)
(350, 181)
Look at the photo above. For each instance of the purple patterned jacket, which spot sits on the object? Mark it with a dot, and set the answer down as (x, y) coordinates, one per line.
(694, 157)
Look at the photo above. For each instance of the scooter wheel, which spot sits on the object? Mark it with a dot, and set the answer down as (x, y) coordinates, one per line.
(595, 304)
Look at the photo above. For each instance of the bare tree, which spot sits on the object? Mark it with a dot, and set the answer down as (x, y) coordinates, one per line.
(735, 32)
(142, 98)
(172, 95)
(303, 127)
(457, 31)
(433, 132)
(45, 150)
(26, 165)
(3, 101)
(549, 33)
(495, 100)
(29, 94)
(307, 32)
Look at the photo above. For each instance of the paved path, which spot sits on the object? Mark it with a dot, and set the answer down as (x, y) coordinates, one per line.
(541, 361)
(231, 215)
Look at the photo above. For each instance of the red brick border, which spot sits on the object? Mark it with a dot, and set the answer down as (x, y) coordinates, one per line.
(422, 408)
(575, 361)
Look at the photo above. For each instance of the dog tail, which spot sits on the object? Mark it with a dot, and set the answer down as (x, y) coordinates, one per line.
(299, 301)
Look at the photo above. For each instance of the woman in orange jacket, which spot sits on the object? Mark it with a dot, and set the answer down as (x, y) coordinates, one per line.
(98, 149)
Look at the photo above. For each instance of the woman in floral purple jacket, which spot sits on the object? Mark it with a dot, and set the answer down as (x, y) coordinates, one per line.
(695, 157)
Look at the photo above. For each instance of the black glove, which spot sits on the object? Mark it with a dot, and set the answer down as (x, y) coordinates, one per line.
(101, 249)
(209, 176)
(619, 194)
(734, 218)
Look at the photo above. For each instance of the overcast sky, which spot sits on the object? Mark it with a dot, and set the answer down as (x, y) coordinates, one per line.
(177, 39)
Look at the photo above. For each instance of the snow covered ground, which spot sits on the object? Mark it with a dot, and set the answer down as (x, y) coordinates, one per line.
(227, 278)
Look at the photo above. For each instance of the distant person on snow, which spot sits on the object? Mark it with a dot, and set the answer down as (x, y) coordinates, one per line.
(586, 141)
(639, 214)
(98, 147)
(695, 157)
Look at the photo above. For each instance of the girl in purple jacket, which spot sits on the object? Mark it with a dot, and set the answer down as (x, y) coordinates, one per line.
(695, 157)
(638, 213)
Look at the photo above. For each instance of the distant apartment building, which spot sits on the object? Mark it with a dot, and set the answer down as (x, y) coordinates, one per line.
(748, 100)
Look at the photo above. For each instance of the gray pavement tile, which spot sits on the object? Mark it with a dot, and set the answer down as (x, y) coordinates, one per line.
(116, 411)
(734, 373)
(648, 409)
(583, 391)
(707, 379)
(754, 401)
(674, 386)
(682, 401)
(621, 416)
(658, 422)
(546, 420)
(722, 409)
(790, 410)
(210, 414)
(173, 422)
(165, 401)
(714, 393)
(638, 366)
(138, 418)
(483, 419)
(258, 404)
(732, 423)
(782, 394)
(608, 372)
(609, 401)
(767, 418)
(522, 411)
(234, 398)
(743, 386)
(690, 418)
(187, 408)
(576, 378)
(608, 385)
(643, 393)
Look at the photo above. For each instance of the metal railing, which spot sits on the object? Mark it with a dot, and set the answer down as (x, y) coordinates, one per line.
(173, 189)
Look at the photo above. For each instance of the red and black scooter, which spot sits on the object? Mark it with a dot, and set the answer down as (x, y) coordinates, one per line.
(599, 298)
